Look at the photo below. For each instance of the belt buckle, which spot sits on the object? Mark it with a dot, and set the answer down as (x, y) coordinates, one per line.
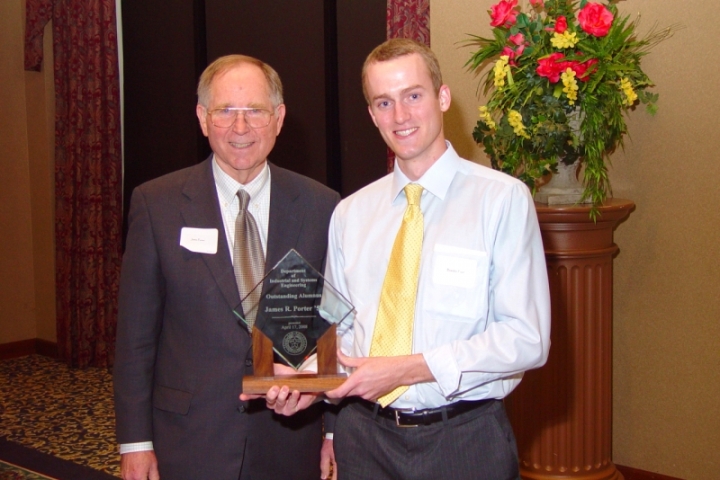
(397, 412)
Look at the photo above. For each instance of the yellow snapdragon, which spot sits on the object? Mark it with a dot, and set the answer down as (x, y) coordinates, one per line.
(630, 95)
(567, 39)
(515, 121)
(570, 85)
(501, 69)
(485, 117)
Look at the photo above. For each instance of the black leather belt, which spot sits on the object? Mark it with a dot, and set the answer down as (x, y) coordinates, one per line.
(414, 418)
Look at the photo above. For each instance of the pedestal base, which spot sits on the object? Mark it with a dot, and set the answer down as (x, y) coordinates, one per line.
(562, 412)
(609, 473)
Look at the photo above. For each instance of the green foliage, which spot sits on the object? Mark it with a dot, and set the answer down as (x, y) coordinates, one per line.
(609, 82)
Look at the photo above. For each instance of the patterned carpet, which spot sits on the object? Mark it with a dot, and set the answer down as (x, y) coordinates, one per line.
(8, 471)
(65, 412)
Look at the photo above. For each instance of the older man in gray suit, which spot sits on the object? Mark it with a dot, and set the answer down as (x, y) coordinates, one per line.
(181, 351)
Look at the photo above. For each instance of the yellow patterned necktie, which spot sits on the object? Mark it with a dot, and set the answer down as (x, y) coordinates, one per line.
(394, 324)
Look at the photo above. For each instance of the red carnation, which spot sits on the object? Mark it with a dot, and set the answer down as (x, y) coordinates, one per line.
(585, 69)
(595, 19)
(561, 24)
(551, 67)
(503, 13)
(510, 54)
(517, 39)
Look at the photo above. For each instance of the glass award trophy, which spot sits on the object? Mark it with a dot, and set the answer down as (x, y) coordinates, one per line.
(295, 318)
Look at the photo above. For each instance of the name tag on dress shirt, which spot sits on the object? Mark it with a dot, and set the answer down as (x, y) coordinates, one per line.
(199, 240)
(455, 266)
(459, 283)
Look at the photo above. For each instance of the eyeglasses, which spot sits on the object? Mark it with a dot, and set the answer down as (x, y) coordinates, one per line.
(254, 117)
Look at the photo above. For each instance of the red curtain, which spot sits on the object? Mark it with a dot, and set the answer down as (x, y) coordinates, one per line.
(88, 171)
(407, 19)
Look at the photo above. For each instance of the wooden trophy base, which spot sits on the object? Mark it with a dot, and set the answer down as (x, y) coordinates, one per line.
(326, 379)
(301, 382)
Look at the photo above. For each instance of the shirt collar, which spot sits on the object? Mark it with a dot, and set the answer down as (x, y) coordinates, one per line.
(227, 186)
(436, 180)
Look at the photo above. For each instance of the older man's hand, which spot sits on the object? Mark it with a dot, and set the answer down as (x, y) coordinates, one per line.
(281, 399)
(139, 466)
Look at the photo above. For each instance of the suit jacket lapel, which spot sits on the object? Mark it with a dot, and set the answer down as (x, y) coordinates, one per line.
(202, 210)
(286, 218)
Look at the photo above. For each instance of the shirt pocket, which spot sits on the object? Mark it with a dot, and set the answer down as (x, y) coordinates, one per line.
(458, 286)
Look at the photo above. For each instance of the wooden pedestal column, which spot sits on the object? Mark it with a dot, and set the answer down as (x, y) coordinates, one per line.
(562, 412)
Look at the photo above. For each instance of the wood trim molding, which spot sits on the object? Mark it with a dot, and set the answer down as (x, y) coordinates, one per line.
(17, 349)
(28, 347)
(46, 348)
(635, 474)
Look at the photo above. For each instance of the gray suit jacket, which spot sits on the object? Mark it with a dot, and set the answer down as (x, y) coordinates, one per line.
(181, 353)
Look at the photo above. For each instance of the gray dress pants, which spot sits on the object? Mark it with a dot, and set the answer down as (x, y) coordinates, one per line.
(478, 445)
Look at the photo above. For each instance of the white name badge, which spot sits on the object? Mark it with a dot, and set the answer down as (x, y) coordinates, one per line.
(458, 267)
(199, 240)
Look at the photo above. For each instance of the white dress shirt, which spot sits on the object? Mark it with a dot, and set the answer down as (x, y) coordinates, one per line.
(227, 187)
(482, 313)
(259, 191)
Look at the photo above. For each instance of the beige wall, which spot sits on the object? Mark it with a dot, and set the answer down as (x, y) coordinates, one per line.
(27, 279)
(667, 275)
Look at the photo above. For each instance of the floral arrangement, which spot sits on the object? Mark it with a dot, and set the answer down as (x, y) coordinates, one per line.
(564, 74)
